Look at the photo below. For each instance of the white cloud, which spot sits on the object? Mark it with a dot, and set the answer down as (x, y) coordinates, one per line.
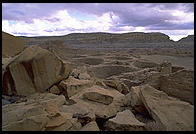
(63, 23)
(6, 27)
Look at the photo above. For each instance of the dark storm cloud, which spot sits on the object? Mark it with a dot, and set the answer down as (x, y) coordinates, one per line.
(130, 14)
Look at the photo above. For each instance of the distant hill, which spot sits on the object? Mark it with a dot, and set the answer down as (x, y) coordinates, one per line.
(11, 45)
(105, 38)
(188, 39)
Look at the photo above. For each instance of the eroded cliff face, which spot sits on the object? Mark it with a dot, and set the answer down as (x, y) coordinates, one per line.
(135, 37)
(11, 45)
(105, 38)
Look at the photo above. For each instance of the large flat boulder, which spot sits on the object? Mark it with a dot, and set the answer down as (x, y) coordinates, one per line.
(124, 121)
(79, 111)
(11, 45)
(92, 126)
(39, 113)
(179, 84)
(100, 109)
(72, 85)
(169, 113)
(98, 97)
(33, 70)
(121, 87)
(133, 100)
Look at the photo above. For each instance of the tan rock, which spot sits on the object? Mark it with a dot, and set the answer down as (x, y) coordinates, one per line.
(54, 89)
(153, 79)
(84, 76)
(179, 84)
(98, 97)
(11, 45)
(121, 87)
(92, 126)
(133, 100)
(80, 73)
(73, 86)
(33, 70)
(170, 113)
(40, 112)
(99, 109)
(100, 83)
(132, 97)
(76, 126)
(83, 113)
(124, 121)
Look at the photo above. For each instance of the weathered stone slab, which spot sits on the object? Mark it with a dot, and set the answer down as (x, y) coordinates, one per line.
(171, 114)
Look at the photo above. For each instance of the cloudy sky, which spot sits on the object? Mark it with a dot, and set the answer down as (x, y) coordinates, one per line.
(48, 19)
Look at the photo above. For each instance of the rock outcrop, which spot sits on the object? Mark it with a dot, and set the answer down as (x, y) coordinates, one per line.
(98, 97)
(124, 121)
(179, 84)
(119, 86)
(39, 113)
(72, 86)
(33, 70)
(55, 88)
(92, 126)
(171, 114)
(11, 45)
(100, 109)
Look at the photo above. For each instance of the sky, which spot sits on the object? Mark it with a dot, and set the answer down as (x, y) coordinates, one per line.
(54, 19)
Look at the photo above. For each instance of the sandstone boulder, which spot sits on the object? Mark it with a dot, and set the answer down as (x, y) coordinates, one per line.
(80, 73)
(72, 85)
(84, 76)
(11, 45)
(171, 114)
(92, 126)
(100, 109)
(121, 87)
(39, 113)
(179, 84)
(33, 70)
(133, 98)
(55, 90)
(124, 121)
(79, 111)
(98, 97)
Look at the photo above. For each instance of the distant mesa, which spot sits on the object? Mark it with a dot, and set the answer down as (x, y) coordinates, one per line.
(101, 38)
(11, 45)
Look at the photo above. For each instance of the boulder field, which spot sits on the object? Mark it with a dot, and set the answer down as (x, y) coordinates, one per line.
(42, 92)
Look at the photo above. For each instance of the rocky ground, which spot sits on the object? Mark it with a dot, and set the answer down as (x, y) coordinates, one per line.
(55, 88)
